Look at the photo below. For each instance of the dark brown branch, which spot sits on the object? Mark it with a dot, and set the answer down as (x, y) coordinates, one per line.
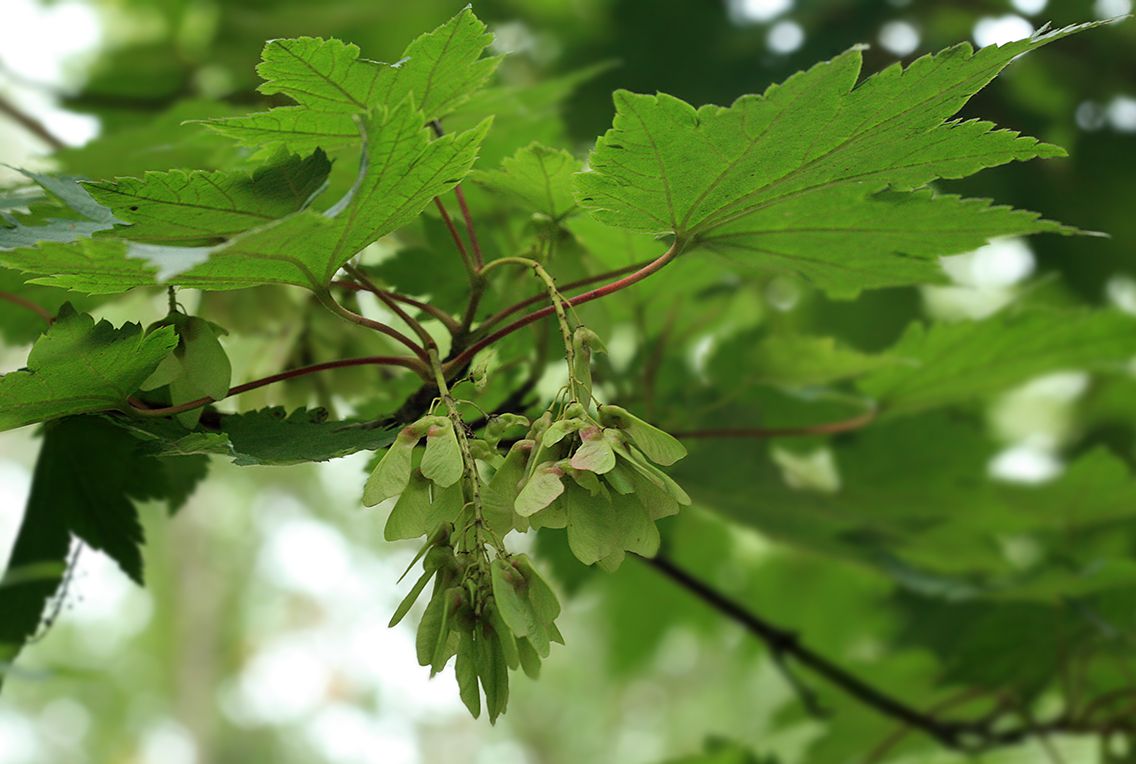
(972, 736)
(31, 124)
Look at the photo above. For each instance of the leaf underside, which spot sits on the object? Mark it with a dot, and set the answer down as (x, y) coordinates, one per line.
(818, 175)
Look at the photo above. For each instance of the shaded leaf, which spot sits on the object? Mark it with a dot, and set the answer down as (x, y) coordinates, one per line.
(536, 178)
(955, 363)
(179, 207)
(79, 366)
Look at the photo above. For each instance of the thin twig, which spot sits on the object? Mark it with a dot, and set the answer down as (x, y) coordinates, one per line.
(25, 303)
(470, 267)
(31, 124)
(783, 432)
(140, 409)
(423, 335)
(445, 318)
(329, 302)
(469, 227)
(498, 317)
(466, 355)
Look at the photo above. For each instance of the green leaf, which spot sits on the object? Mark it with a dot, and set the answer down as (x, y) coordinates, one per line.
(955, 363)
(93, 216)
(401, 171)
(269, 436)
(79, 366)
(43, 540)
(792, 180)
(536, 178)
(85, 475)
(789, 360)
(178, 207)
(441, 69)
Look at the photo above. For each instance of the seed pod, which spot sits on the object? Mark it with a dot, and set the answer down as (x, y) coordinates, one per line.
(442, 461)
(408, 518)
(465, 668)
(544, 486)
(511, 595)
(596, 454)
(392, 473)
(659, 446)
(497, 426)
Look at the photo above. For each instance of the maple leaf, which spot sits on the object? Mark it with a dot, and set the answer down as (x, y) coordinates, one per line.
(80, 366)
(400, 171)
(90, 216)
(179, 207)
(442, 69)
(955, 363)
(810, 177)
(537, 178)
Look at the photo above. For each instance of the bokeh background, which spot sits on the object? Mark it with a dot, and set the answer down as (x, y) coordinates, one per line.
(262, 634)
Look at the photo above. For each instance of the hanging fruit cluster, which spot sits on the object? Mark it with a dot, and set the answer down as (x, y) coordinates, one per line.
(593, 474)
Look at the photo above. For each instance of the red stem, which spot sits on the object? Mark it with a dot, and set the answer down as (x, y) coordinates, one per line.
(437, 313)
(495, 319)
(25, 303)
(783, 432)
(477, 259)
(455, 235)
(467, 355)
(375, 360)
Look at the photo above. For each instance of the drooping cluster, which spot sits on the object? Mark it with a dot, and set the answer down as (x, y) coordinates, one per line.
(493, 616)
(590, 471)
(593, 477)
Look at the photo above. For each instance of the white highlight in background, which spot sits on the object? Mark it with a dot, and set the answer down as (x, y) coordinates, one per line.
(1001, 30)
(1110, 9)
(785, 37)
(757, 11)
(899, 38)
(1029, 7)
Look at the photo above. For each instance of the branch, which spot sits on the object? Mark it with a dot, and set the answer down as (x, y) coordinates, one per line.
(445, 318)
(784, 432)
(969, 736)
(140, 409)
(465, 356)
(324, 296)
(31, 124)
(786, 644)
(25, 303)
(498, 317)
